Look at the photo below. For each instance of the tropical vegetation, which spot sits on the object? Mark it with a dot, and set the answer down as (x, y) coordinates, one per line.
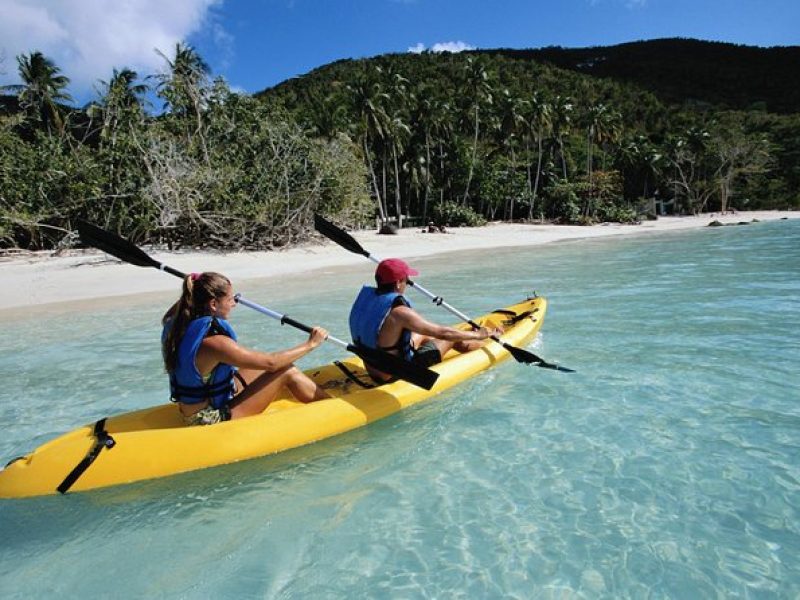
(411, 138)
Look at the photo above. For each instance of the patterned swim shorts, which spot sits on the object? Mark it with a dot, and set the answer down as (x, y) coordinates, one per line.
(208, 416)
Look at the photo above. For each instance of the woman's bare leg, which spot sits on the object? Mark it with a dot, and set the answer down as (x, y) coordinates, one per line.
(262, 388)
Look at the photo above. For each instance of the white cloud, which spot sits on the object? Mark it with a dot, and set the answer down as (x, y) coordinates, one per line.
(451, 47)
(88, 38)
(441, 47)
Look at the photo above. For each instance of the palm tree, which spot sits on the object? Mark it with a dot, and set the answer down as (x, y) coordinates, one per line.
(121, 108)
(539, 123)
(121, 100)
(509, 118)
(184, 87)
(561, 123)
(441, 128)
(372, 122)
(480, 92)
(397, 131)
(602, 127)
(595, 120)
(639, 160)
(326, 112)
(430, 121)
(41, 89)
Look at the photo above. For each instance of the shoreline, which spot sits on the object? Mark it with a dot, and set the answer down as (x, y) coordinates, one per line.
(48, 281)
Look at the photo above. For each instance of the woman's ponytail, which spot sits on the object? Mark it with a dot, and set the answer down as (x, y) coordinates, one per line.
(198, 291)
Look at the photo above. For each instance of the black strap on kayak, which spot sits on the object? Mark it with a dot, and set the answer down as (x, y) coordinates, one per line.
(521, 316)
(515, 318)
(102, 440)
(352, 376)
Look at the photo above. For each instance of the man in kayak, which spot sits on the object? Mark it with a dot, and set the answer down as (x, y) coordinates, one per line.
(381, 317)
(212, 377)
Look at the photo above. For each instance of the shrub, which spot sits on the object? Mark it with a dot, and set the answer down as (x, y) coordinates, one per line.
(457, 215)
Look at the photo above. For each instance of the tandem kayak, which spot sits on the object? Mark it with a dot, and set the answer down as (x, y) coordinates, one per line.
(154, 442)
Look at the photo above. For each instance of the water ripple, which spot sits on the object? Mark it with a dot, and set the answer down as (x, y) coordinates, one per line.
(668, 466)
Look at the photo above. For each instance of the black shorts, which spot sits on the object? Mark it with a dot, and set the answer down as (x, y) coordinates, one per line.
(427, 355)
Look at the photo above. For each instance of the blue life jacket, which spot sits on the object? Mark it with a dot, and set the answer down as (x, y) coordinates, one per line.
(185, 382)
(367, 316)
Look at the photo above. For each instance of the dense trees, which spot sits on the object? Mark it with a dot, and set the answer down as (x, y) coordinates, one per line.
(214, 169)
(510, 138)
(453, 138)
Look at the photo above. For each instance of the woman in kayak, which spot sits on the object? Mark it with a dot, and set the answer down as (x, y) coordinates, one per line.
(212, 377)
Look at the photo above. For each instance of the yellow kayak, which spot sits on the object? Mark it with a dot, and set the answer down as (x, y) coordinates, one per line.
(154, 442)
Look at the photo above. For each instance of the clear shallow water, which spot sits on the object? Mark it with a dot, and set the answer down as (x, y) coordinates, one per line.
(668, 466)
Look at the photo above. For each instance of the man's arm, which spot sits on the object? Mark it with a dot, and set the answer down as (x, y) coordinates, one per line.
(407, 318)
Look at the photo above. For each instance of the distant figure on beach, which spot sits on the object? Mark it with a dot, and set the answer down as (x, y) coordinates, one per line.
(433, 228)
(212, 378)
(381, 317)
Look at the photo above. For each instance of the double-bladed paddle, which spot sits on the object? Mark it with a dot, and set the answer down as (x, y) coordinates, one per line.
(346, 241)
(108, 242)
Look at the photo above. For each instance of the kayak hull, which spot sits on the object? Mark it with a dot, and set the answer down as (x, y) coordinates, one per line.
(154, 442)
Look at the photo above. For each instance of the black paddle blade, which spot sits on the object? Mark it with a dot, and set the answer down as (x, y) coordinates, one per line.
(112, 244)
(529, 358)
(335, 234)
(394, 365)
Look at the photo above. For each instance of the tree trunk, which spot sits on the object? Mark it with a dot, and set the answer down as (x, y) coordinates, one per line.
(398, 204)
(383, 181)
(513, 178)
(381, 211)
(529, 177)
(587, 209)
(441, 174)
(427, 178)
(538, 170)
(474, 155)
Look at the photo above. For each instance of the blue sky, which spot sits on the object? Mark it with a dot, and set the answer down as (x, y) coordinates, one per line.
(258, 43)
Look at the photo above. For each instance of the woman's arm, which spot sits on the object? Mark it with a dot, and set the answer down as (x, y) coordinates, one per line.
(222, 349)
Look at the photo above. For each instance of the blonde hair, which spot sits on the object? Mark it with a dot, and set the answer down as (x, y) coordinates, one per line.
(198, 291)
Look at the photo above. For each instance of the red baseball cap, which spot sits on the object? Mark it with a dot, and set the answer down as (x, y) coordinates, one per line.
(393, 269)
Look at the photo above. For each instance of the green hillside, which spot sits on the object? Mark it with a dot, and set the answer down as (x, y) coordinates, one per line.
(568, 136)
(690, 71)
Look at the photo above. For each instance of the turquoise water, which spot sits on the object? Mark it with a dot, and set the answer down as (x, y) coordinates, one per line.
(667, 467)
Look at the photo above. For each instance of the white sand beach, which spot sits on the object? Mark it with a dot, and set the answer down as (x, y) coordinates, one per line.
(43, 279)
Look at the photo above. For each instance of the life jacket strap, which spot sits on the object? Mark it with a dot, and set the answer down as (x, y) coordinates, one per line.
(200, 392)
